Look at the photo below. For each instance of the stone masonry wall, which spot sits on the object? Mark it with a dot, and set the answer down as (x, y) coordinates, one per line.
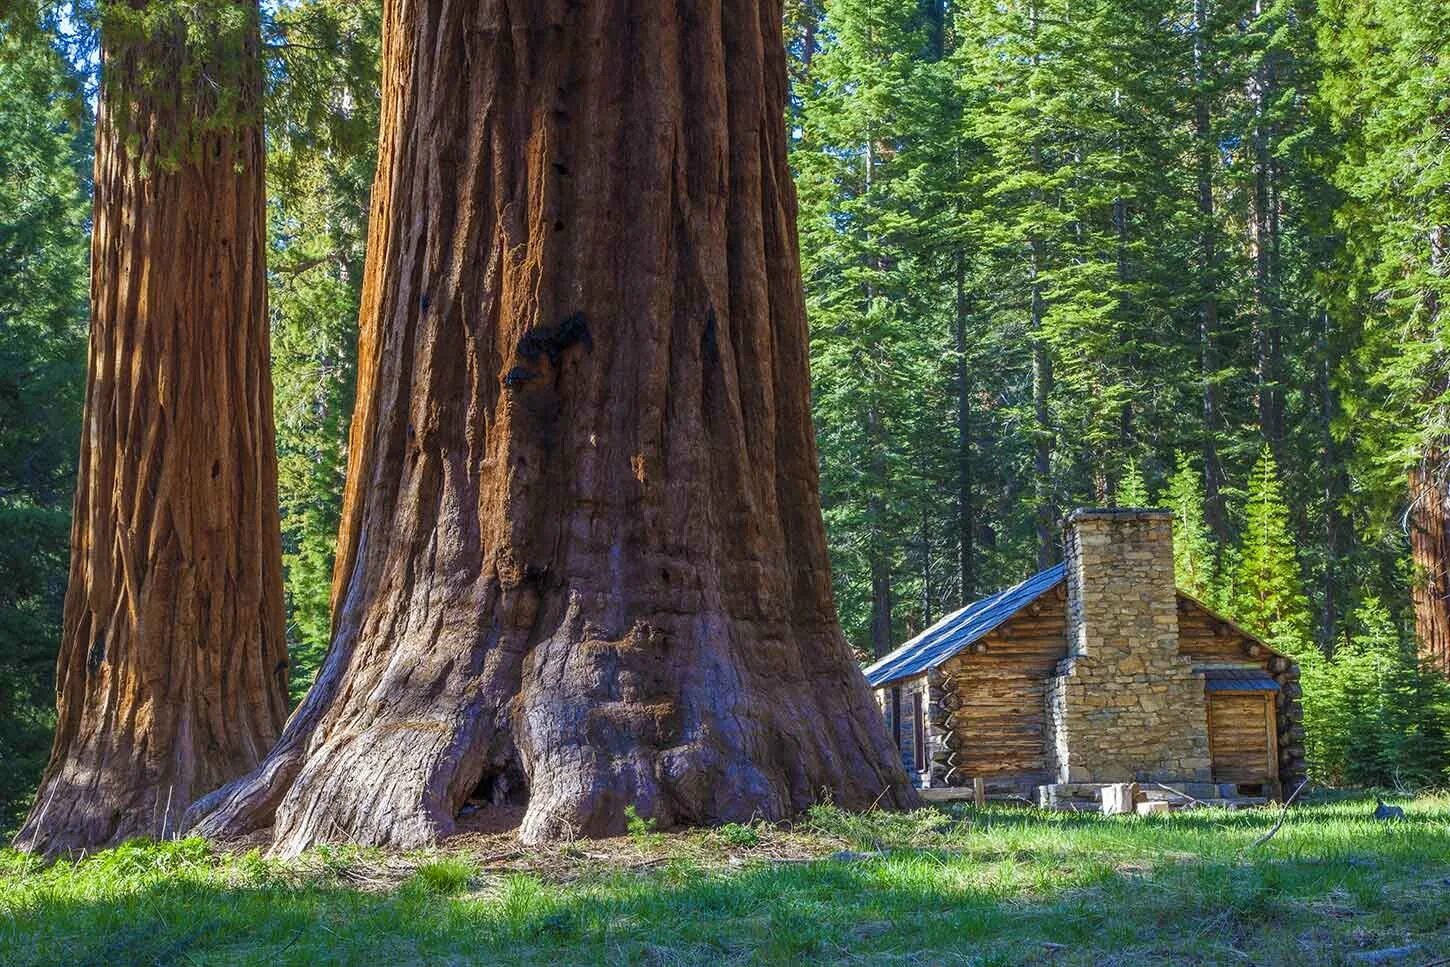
(1124, 704)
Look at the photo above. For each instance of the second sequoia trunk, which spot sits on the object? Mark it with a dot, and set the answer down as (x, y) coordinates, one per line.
(582, 562)
(173, 660)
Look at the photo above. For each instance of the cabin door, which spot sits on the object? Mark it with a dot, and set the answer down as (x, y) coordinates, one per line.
(1243, 737)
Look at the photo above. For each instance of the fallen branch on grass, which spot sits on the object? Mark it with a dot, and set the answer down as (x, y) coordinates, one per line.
(1283, 812)
(1181, 795)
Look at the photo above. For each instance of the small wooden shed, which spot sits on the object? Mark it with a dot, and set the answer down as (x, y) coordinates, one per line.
(1097, 670)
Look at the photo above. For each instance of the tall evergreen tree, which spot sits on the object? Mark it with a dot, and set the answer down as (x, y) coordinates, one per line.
(1193, 548)
(1269, 585)
(172, 671)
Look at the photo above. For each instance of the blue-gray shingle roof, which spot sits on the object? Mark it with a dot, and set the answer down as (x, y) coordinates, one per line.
(960, 628)
(1238, 680)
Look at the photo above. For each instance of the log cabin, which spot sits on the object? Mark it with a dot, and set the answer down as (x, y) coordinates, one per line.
(1095, 672)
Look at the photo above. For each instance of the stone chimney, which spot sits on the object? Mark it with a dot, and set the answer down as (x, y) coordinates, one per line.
(1124, 705)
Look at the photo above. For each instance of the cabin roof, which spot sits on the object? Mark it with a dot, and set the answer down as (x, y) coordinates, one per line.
(977, 620)
(960, 629)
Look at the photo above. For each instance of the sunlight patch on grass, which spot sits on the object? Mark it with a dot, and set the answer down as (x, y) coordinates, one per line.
(999, 885)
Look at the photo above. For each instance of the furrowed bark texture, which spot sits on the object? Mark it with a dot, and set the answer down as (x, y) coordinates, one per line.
(582, 558)
(1429, 525)
(172, 669)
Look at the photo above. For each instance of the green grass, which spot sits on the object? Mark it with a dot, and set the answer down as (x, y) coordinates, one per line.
(996, 886)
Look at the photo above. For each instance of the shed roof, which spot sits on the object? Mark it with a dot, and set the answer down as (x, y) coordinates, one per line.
(1238, 680)
(960, 629)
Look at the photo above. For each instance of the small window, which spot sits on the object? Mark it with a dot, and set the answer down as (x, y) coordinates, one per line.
(896, 716)
(918, 721)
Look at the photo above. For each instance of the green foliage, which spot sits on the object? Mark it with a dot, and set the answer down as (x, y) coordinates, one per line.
(445, 876)
(1373, 716)
(45, 132)
(1269, 590)
(739, 834)
(1193, 549)
(195, 63)
(1133, 489)
(641, 828)
(322, 130)
(1384, 93)
(871, 150)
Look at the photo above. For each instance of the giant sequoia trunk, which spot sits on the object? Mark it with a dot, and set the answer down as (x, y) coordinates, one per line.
(582, 562)
(173, 660)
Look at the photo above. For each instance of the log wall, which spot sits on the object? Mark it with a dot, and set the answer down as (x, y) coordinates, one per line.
(992, 710)
(1209, 638)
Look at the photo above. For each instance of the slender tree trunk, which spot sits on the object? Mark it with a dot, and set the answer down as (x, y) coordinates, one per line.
(582, 564)
(878, 553)
(1263, 224)
(1045, 517)
(1215, 510)
(1429, 516)
(934, 16)
(173, 663)
(1336, 486)
(966, 505)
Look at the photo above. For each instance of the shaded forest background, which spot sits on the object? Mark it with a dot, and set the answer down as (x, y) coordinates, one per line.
(1171, 252)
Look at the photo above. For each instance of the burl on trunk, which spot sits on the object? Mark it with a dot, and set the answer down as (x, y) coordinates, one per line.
(582, 563)
(173, 662)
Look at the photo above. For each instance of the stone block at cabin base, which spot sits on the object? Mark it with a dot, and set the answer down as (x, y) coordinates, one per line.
(1111, 798)
(1153, 807)
(1120, 798)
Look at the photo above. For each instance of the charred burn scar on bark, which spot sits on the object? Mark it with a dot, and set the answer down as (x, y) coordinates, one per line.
(561, 168)
(558, 225)
(518, 376)
(710, 339)
(216, 469)
(424, 303)
(551, 341)
(97, 654)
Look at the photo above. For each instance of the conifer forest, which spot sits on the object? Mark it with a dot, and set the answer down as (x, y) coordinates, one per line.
(1190, 254)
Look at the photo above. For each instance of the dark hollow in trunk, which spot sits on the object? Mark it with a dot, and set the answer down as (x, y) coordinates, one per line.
(581, 539)
(173, 662)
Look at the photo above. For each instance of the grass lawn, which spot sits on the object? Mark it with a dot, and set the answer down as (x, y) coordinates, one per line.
(996, 886)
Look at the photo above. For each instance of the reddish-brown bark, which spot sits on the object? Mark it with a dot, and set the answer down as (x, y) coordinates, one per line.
(582, 560)
(172, 669)
(1429, 522)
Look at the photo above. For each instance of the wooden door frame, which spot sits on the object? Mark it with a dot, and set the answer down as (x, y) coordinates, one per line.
(1271, 725)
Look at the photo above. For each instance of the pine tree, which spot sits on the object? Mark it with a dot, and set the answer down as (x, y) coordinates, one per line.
(1269, 587)
(868, 165)
(1133, 489)
(1384, 91)
(1193, 545)
(1373, 716)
